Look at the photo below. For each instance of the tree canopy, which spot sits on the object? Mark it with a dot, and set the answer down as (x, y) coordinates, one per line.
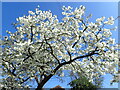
(43, 46)
(81, 82)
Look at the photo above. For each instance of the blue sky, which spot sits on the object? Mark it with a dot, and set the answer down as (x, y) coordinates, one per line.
(10, 11)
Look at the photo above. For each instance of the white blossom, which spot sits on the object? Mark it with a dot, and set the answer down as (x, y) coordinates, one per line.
(110, 21)
(100, 19)
(43, 45)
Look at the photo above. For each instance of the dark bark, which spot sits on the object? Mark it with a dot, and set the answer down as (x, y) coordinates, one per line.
(41, 84)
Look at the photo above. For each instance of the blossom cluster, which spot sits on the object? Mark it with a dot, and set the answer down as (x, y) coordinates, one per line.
(42, 42)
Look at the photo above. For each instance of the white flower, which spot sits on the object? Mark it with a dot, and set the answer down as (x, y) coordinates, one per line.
(82, 7)
(1, 85)
(69, 7)
(92, 26)
(100, 19)
(31, 12)
(99, 45)
(99, 36)
(107, 34)
(20, 18)
(63, 8)
(6, 37)
(106, 30)
(111, 41)
(7, 63)
(85, 34)
(110, 21)
(111, 18)
(66, 8)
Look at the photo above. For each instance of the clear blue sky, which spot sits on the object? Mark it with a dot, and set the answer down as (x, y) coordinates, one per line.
(10, 11)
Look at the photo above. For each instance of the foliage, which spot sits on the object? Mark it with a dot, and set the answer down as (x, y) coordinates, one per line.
(43, 46)
(83, 83)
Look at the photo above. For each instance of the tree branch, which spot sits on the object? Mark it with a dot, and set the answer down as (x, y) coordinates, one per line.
(80, 36)
(52, 53)
(79, 57)
(30, 54)
(69, 55)
(24, 80)
(31, 34)
(36, 78)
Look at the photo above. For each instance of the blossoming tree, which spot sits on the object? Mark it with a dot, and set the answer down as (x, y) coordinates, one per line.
(42, 46)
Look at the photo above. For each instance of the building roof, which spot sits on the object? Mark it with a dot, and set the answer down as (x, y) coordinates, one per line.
(58, 87)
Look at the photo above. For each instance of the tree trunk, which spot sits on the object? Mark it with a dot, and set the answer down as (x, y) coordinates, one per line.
(42, 83)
